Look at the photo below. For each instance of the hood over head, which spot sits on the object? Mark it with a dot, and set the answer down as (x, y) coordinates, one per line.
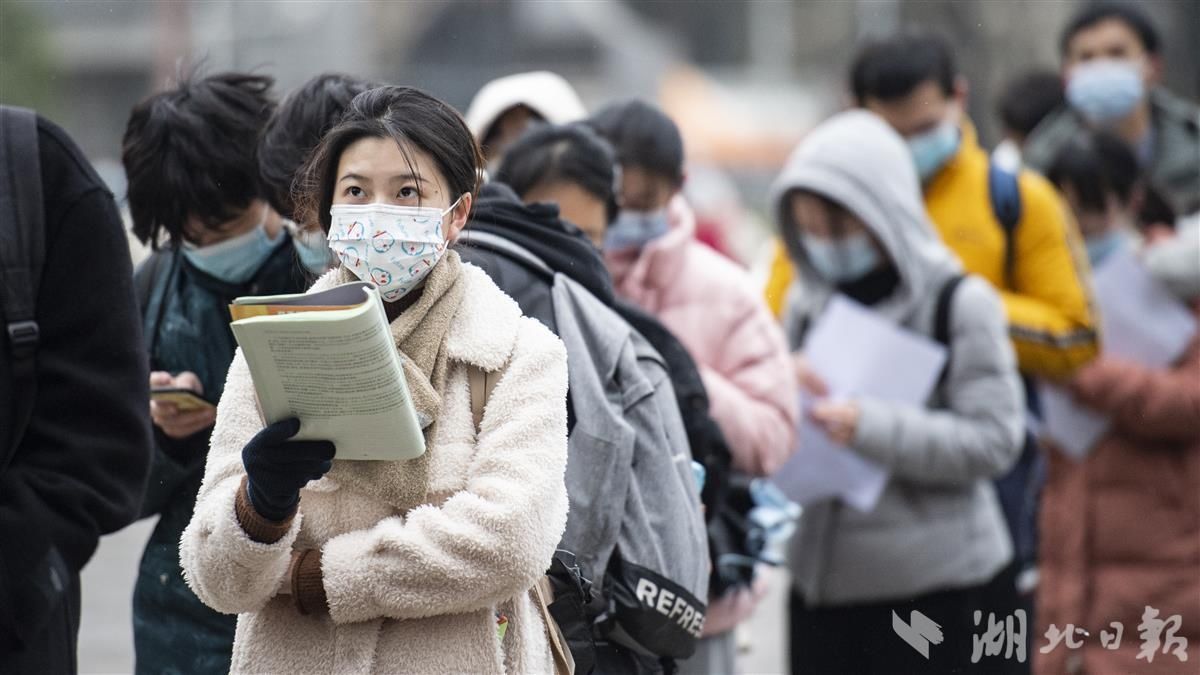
(548, 94)
(856, 160)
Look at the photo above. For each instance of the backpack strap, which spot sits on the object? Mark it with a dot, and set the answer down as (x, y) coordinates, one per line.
(22, 255)
(1005, 194)
(941, 320)
(482, 384)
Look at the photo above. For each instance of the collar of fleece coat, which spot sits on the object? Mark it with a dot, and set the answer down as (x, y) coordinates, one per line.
(484, 328)
(481, 332)
(858, 161)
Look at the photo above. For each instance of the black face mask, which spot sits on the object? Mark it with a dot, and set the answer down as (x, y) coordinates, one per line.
(872, 287)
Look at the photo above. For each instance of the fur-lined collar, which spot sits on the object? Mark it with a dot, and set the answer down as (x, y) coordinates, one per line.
(485, 327)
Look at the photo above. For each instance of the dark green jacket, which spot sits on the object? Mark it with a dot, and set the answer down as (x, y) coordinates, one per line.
(1174, 168)
(186, 321)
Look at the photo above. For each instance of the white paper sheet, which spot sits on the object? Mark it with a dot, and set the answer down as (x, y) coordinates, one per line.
(1074, 428)
(1139, 318)
(1140, 321)
(857, 354)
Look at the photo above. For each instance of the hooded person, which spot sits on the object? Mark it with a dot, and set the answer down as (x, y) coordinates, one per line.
(849, 205)
(506, 106)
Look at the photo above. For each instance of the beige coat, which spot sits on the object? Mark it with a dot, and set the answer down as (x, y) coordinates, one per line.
(413, 592)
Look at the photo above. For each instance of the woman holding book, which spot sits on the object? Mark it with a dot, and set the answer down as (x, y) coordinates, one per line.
(424, 565)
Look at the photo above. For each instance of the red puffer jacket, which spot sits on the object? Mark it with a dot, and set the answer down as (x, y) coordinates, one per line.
(1120, 531)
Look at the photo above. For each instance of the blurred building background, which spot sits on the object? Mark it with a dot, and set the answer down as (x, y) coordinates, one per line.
(753, 71)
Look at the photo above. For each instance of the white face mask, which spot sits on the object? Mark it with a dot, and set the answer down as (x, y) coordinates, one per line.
(393, 247)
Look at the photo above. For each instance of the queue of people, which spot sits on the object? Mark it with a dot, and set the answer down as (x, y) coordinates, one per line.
(605, 399)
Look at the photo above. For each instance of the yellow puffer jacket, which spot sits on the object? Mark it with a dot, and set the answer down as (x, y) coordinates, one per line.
(1048, 302)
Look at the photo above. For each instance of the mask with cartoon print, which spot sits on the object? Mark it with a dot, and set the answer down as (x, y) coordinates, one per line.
(393, 247)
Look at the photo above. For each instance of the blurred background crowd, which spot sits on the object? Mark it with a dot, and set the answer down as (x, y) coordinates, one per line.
(757, 91)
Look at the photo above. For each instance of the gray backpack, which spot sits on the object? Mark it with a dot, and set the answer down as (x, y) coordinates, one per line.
(635, 526)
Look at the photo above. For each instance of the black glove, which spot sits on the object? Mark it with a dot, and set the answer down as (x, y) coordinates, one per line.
(277, 468)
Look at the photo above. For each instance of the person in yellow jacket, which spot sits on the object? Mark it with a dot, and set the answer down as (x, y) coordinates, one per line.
(1014, 231)
(1040, 269)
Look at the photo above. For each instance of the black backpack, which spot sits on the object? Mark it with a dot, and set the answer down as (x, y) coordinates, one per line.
(22, 255)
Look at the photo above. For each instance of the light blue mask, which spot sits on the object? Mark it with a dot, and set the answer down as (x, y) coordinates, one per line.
(312, 248)
(635, 229)
(932, 149)
(234, 260)
(1106, 90)
(841, 261)
(1101, 246)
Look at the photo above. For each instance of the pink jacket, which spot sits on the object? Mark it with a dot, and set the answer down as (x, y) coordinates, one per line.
(708, 302)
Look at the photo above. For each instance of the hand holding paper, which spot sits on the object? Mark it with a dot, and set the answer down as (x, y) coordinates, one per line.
(853, 353)
(1140, 321)
(839, 420)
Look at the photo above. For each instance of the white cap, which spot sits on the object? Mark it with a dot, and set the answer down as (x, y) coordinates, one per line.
(548, 94)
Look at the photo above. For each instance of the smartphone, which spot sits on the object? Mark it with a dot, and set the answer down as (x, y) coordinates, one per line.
(184, 399)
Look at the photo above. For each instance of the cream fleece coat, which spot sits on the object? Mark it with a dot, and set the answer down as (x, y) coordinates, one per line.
(416, 591)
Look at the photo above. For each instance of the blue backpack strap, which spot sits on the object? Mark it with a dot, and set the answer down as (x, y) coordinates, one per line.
(1005, 195)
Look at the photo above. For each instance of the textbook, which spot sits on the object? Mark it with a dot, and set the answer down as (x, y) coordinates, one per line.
(328, 359)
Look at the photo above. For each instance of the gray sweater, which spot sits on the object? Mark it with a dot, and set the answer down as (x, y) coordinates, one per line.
(938, 524)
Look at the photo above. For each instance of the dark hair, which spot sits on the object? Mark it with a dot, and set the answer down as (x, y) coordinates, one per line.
(190, 151)
(1028, 99)
(1096, 164)
(1129, 14)
(643, 136)
(571, 153)
(891, 68)
(295, 129)
(413, 119)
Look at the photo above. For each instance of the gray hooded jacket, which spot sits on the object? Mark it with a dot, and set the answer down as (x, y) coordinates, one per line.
(938, 525)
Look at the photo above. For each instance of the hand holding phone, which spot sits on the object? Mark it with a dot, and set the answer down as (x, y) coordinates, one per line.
(177, 405)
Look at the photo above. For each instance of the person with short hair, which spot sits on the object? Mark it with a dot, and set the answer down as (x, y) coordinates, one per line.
(1025, 101)
(194, 195)
(569, 165)
(1113, 65)
(289, 137)
(707, 301)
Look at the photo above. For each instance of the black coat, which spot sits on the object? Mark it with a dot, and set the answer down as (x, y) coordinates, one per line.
(80, 469)
(186, 321)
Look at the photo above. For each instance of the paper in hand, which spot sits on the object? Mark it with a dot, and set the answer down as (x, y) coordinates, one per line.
(1140, 321)
(857, 354)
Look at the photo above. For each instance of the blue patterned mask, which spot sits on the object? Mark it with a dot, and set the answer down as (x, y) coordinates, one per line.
(394, 247)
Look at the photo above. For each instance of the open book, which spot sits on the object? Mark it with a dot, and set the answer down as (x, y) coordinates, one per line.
(328, 359)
